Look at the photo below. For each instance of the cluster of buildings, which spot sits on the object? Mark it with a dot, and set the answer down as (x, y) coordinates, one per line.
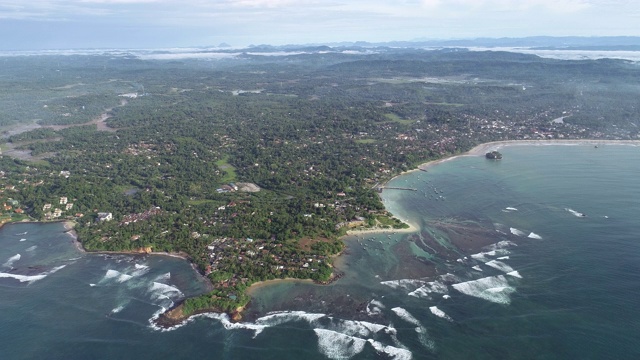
(132, 218)
(53, 213)
(270, 257)
(230, 187)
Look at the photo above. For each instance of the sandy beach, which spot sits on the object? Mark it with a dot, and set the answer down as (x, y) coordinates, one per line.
(260, 284)
(481, 150)
(411, 229)
(487, 147)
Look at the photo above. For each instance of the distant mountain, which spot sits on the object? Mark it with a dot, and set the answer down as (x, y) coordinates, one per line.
(547, 42)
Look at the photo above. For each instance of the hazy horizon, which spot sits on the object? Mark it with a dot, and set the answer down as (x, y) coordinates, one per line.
(67, 24)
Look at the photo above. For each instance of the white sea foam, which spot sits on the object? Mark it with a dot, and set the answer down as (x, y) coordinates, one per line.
(23, 240)
(449, 278)
(374, 307)
(429, 288)
(511, 208)
(476, 268)
(514, 274)
(575, 213)
(499, 265)
(404, 284)
(164, 277)
(446, 297)
(480, 256)
(224, 320)
(494, 288)
(31, 278)
(92, 285)
(11, 260)
(439, 313)
(335, 345)
(534, 236)
(517, 232)
(117, 309)
(140, 270)
(423, 336)
(406, 316)
(281, 317)
(503, 258)
(118, 276)
(483, 255)
(501, 245)
(111, 274)
(357, 328)
(124, 277)
(161, 290)
(23, 278)
(392, 352)
(31, 248)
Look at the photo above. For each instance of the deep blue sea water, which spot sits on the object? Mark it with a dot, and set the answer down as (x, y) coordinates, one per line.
(553, 284)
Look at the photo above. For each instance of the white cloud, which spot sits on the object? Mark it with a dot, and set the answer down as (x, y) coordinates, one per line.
(298, 21)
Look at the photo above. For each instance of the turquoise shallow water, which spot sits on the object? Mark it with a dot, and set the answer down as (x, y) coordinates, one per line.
(554, 284)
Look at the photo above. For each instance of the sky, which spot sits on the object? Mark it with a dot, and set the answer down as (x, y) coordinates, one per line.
(73, 24)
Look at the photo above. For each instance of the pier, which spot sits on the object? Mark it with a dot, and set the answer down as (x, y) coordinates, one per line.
(380, 188)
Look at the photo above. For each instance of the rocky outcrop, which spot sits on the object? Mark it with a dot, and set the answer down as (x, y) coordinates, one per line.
(493, 155)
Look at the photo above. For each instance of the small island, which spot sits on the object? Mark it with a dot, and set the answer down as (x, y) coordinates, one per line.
(493, 155)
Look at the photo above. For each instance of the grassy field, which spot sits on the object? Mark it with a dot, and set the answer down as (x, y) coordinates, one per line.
(444, 104)
(229, 170)
(366, 141)
(397, 119)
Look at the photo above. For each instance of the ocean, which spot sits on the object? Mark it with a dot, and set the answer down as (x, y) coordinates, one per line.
(549, 269)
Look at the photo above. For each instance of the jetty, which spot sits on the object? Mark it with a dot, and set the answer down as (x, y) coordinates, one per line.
(380, 188)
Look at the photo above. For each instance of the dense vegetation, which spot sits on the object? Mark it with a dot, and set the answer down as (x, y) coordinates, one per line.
(316, 132)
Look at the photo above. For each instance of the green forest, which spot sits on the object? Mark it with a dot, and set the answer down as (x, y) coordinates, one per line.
(255, 166)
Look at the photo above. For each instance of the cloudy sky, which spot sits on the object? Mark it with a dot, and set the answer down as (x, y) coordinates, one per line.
(65, 24)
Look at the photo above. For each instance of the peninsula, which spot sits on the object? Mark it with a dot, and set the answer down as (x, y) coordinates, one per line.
(254, 167)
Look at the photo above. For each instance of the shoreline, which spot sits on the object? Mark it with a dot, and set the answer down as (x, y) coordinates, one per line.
(265, 283)
(377, 230)
(478, 150)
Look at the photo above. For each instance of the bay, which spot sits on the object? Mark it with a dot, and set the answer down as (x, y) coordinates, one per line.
(545, 282)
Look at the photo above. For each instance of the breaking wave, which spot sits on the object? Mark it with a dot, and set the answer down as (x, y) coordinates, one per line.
(421, 330)
(31, 248)
(534, 236)
(575, 213)
(517, 232)
(494, 288)
(11, 260)
(282, 317)
(160, 290)
(499, 265)
(31, 278)
(117, 310)
(117, 275)
(500, 245)
(515, 274)
(429, 288)
(404, 284)
(439, 313)
(392, 352)
(140, 270)
(374, 307)
(335, 345)
(476, 268)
